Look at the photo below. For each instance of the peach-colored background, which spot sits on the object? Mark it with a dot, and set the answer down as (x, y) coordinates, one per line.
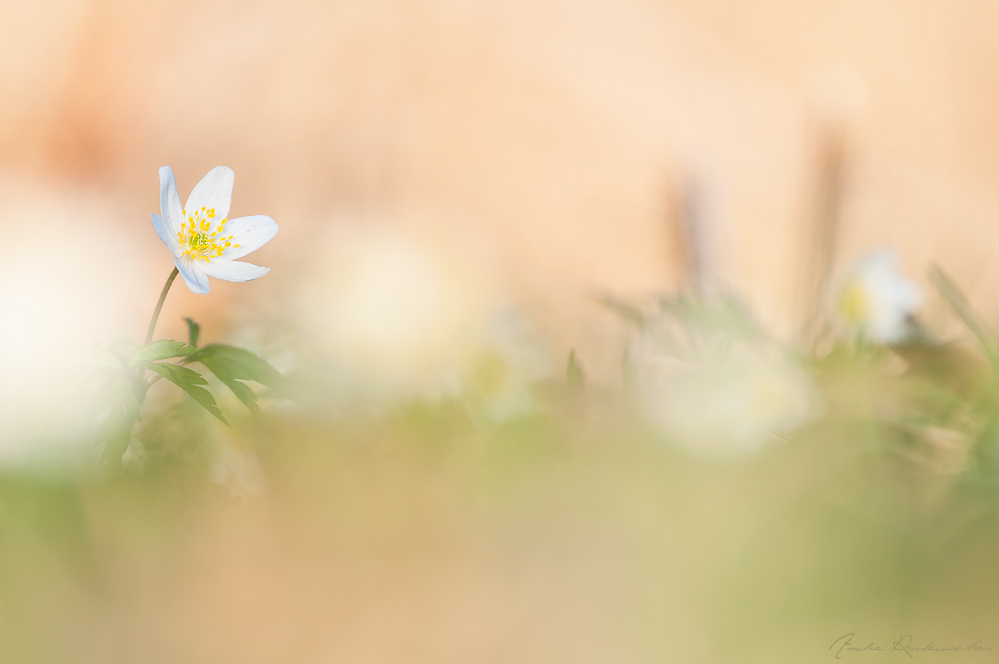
(553, 135)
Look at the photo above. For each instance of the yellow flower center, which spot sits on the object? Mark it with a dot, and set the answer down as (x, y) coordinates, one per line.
(854, 303)
(490, 375)
(203, 238)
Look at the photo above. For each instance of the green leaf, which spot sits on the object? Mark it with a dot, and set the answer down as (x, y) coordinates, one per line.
(232, 365)
(116, 429)
(193, 331)
(241, 390)
(123, 348)
(120, 389)
(959, 303)
(625, 310)
(574, 376)
(175, 373)
(243, 364)
(628, 379)
(163, 349)
(189, 381)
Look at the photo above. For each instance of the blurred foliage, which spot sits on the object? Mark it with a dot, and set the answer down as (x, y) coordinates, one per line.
(570, 532)
(119, 399)
(877, 518)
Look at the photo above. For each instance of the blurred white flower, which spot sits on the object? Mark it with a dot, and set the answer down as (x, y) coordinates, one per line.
(57, 301)
(496, 382)
(398, 318)
(878, 300)
(394, 316)
(203, 241)
(715, 387)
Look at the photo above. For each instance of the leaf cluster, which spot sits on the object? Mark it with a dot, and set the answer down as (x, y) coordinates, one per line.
(126, 365)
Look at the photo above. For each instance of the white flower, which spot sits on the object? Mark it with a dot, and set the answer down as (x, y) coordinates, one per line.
(715, 387)
(52, 313)
(394, 315)
(879, 300)
(728, 404)
(203, 241)
(496, 381)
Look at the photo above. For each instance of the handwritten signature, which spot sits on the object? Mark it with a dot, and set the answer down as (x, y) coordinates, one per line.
(844, 644)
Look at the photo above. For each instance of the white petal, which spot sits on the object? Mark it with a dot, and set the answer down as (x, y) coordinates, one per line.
(193, 273)
(170, 208)
(214, 191)
(234, 270)
(250, 233)
(166, 233)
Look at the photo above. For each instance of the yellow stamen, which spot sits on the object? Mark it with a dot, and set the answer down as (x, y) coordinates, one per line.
(201, 238)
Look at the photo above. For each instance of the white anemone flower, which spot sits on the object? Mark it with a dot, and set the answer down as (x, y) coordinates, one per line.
(204, 242)
(711, 382)
(495, 382)
(879, 300)
(735, 402)
(395, 316)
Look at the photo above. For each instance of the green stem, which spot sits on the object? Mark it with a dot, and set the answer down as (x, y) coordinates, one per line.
(159, 305)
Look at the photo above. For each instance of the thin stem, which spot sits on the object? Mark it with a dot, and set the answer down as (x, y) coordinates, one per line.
(159, 305)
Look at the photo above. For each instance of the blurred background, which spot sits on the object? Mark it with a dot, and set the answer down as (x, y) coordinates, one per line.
(557, 138)
(500, 165)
